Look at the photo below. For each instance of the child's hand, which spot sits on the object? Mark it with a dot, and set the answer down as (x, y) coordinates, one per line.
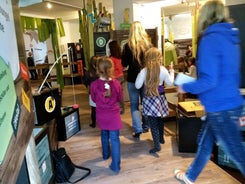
(171, 66)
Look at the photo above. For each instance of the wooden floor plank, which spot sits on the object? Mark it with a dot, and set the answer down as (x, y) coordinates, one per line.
(137, 165)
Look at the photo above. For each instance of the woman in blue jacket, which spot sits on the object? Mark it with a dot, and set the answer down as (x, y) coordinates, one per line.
(217, 87)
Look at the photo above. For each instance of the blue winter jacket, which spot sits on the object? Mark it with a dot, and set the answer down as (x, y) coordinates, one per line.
(218, 69)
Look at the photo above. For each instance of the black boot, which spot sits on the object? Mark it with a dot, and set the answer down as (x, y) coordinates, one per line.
(145, 124)
(153, 121)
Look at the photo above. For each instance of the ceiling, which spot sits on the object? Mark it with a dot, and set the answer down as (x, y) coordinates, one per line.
(68, 9)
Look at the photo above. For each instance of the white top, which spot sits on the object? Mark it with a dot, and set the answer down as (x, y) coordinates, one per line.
(164, 76)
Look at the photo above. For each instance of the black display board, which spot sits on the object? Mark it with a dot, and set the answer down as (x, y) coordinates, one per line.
(238, 14)
(100, 40)
(47, 105)
(187, 132)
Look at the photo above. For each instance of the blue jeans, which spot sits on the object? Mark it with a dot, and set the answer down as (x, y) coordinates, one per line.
(221, 128)
(107, 137)
(134, 96)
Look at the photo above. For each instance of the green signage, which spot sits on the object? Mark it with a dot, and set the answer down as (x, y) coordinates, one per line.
(7, 104)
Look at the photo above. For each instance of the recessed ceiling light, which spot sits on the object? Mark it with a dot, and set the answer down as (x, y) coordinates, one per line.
(49, 5)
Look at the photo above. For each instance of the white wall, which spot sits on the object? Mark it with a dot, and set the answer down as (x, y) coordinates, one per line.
(234, 2)
(180, 25)
(150, 16)
(72, 34)
(118, 11)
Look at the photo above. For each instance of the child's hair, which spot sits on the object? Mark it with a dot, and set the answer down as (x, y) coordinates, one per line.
(105, 70)
(115, 49)
(192, 60)
(93, 65)
(105, 67)
(153, 60)
(180, 59)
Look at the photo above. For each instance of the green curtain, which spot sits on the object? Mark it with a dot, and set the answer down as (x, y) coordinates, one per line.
(60, 27)
(47, 28)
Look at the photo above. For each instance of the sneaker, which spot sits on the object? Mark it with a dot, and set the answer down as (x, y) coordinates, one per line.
(162, 141)
(180, 175)
(145, 130)
(92, 125)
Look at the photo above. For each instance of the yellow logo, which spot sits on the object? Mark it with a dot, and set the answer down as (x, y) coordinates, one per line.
(50, 104)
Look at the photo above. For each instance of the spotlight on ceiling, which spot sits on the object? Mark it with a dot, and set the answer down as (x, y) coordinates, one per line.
(49, 5)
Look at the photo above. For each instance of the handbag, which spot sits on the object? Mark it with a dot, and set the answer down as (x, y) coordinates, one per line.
(64, 167)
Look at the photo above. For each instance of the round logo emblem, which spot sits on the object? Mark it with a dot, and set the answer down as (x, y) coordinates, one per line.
(50, 104)
(100, 42)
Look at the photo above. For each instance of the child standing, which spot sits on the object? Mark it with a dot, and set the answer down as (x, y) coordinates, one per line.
(155, 105)
(192, 71)
(90, 76)
(106, 92)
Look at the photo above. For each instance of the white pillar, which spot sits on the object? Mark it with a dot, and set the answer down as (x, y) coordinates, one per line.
(118, 10)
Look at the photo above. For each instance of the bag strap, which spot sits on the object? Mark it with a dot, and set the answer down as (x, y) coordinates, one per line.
(84, 176)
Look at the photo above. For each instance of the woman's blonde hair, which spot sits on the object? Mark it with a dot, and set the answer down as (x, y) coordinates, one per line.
(153, 60)
(138, 41)
(211, 12)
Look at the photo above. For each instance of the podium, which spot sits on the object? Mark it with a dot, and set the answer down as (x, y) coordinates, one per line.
(188, 125)
(47, 105)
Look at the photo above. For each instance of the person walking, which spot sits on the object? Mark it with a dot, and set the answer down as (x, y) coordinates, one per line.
(155, 105)
(115, 55)
(133, 58)
(31, 63)
(106, 92)
(90, 76)
(217, 87)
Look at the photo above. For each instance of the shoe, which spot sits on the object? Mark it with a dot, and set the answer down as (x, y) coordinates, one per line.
(145, 130)
(162, 141)
(154, 150)
(137, 135)
(122, 110)
(116, 172)
(180, 175)
(92, 125)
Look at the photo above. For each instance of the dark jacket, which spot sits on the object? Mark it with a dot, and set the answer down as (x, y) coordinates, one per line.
(128, 60)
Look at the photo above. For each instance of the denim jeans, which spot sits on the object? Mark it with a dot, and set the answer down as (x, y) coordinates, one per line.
(221, 128)
(134, 96)
(107, 137)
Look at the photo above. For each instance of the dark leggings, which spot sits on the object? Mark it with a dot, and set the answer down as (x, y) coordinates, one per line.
(157, 130)
(93, 115)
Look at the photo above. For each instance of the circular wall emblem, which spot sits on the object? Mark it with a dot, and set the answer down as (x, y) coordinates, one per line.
(100, 42)
(50, 104)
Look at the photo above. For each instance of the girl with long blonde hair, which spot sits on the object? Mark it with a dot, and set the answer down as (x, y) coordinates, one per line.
(155, 106)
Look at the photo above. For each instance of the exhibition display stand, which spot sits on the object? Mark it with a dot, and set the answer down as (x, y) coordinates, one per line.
(188, 125)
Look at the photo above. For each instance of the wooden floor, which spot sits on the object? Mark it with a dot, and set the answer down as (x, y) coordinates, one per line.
(137, 165)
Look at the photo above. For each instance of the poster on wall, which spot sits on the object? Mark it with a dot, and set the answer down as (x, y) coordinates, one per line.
(9, 71)
(33, 45)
